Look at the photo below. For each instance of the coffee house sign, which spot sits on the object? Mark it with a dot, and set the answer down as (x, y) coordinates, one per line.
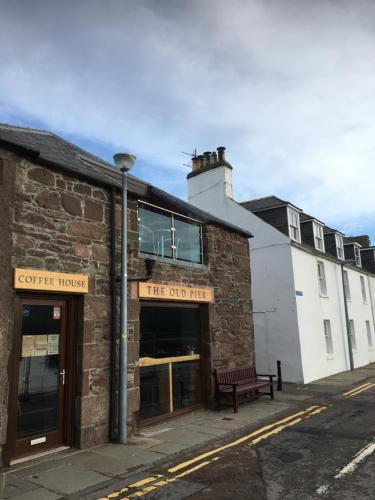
(32, 279)
(174, 292)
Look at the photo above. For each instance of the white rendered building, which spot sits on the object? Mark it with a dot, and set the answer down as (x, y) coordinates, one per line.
(299, 269)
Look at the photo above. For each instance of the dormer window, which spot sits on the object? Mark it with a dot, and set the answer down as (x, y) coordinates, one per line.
(318, 236)
(294, 228)
(357, 256)
(339, 246)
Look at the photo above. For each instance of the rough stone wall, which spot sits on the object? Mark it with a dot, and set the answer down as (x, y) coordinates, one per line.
(229, 338)
(61, 224)
(6, 289)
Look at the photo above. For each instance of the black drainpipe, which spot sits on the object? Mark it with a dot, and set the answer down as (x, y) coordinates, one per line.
(112, 406)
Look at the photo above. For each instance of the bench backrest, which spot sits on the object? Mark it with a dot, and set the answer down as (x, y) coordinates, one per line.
(232, 375)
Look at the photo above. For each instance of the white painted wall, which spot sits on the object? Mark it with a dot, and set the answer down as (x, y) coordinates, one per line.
(274, 304)
(313, 309)
(287, 327)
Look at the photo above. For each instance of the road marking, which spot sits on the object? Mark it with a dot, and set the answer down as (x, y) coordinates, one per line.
(355, 389)
(258, 435)
(358, 458)
(361, 390)
(239, 441)
(350, 467)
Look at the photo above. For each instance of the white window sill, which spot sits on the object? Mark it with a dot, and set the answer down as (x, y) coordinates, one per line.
(371, 349)
(330, 356)
(323, 296)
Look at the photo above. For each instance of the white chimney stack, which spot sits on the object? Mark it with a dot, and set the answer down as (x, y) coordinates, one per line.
(211, 172)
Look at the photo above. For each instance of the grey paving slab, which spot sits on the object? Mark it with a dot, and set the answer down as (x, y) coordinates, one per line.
(107, 465)
(38, 494)
(11, 486)
(68, 479)
(128, 454)
(169, 448)
(185, 436)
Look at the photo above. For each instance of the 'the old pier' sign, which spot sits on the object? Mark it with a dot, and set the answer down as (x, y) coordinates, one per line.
(160, 291)
(33, 279)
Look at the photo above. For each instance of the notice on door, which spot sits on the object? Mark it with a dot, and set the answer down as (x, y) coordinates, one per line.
(28, 346)
(53, 344)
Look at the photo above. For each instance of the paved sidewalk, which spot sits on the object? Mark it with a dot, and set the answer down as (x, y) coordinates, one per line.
(60, 475)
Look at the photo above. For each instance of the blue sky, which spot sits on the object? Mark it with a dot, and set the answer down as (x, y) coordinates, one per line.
(286, 85)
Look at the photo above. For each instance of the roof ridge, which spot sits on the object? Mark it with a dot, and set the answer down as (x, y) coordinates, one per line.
(26, 129)
(263, 198)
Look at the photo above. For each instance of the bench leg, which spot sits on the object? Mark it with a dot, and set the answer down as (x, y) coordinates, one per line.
(235, 402)
(271, 390)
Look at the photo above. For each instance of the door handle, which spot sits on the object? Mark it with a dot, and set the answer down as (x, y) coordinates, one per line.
(63, 376)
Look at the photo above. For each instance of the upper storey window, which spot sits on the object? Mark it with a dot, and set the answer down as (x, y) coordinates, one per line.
(339, 246)
(166, 234)
(294, 228)
(357, 256)
(318, 236)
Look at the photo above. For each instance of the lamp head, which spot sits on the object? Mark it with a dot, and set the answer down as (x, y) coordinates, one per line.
(124, 161)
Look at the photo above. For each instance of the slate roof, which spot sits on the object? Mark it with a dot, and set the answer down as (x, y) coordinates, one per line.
(265, 203)
(47, 148)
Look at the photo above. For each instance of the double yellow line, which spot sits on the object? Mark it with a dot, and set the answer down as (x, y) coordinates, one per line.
(358, 390)
(143, 487)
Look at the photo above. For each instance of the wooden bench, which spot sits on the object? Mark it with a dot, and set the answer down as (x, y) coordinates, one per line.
(241, 384)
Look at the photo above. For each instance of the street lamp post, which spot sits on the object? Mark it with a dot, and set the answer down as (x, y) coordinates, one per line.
(124, 162)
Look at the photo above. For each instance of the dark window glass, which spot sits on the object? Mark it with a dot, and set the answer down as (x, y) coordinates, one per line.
(38, 370)
(186, 384)
(169, 331)
(154, 391)
(155, 234)
(188, 241)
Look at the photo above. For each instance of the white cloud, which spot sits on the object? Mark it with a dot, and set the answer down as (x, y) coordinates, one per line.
(287, 86)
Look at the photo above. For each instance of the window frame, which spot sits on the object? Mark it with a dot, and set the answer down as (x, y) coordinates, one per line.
(339, 247)
(297, 228)
(173, 216)
(363, 289)
(370, 342)
(357, 255)
(322, 280)
(346, 285)
(318, 236)
(328, 337)
(352, 335)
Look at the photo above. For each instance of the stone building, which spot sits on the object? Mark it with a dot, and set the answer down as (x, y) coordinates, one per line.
(189, 298)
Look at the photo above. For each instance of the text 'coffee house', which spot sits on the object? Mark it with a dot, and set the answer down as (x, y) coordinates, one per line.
(188, 313)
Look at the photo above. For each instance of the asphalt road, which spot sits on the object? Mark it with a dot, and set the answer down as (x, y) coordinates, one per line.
(322, 451)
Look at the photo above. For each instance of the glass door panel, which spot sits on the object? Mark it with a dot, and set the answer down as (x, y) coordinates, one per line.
(169, 360)
(41, 374)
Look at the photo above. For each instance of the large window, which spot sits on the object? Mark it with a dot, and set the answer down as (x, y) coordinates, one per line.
(328, 336)
(322, 279)
(318, 236)
(166, 234)
(363, 289)
(352, 335)
(294, 228)
(369, 336)
(345, 278)
(340, 246)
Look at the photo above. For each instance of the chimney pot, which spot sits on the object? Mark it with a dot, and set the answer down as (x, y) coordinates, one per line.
(221, 153)
(200, 161)
(206, 158)
(195, 163)
(214, 157)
